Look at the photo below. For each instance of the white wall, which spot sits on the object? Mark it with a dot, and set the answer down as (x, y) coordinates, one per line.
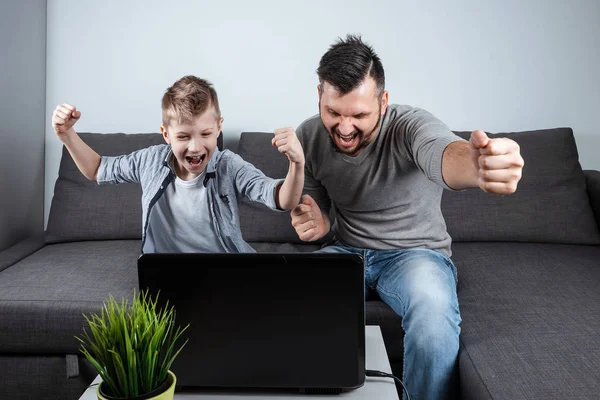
(22, 104)
(498, 66)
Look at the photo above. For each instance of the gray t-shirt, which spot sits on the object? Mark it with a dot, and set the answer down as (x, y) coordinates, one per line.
(387, 197)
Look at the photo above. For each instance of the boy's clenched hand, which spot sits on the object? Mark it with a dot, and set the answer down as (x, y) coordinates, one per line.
(63, 119)
(287, 142)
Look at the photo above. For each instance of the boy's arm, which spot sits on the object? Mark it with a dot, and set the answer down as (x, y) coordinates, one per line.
(287, 195)
(86, 159)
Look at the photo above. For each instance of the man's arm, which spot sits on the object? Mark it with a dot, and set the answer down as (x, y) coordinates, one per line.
(493, 165)
(309, 221)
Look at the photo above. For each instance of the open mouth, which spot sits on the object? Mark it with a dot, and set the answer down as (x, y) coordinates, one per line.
(195, 160)
(346, 141)
(347, 138)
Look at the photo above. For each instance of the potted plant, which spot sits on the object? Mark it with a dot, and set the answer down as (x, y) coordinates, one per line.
(132, 347)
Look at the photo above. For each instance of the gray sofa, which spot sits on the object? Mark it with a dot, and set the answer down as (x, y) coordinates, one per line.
(528, 267)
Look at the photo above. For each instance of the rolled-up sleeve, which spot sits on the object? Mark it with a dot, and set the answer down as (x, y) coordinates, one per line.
(120, 169)
(254, 185)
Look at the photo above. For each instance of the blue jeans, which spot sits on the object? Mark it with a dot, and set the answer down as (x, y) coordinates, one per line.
(420, 286)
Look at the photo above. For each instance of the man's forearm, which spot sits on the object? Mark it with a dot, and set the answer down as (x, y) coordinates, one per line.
(458, 169)
(86, 159)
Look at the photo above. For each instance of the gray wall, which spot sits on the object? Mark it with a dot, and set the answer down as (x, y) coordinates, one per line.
(22, 111)
(500, 65)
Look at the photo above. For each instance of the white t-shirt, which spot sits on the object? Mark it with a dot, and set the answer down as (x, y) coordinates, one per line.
(181, 222)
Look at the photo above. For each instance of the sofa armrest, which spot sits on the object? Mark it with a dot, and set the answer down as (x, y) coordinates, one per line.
(593, 188)
(20, 250)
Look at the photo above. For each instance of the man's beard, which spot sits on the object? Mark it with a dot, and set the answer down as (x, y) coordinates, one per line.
(364, 139)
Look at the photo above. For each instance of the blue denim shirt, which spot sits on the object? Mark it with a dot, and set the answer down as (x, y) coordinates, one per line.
(228, 180)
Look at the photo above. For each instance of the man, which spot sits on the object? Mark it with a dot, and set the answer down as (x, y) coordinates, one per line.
(375, 173)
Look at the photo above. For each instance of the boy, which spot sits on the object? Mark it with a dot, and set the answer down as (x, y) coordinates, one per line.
(190, 189)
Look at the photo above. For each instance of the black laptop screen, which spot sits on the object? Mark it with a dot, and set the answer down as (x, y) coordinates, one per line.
(264, 320)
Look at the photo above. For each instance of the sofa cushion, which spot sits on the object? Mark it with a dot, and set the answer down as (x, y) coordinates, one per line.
(550, 205)
(42, 377)
(593, 188)
(44, 296)
(20, 250)
(258, 223)
(83, 210)
(530, 320)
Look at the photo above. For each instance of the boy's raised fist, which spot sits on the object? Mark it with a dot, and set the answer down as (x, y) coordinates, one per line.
(64, 117)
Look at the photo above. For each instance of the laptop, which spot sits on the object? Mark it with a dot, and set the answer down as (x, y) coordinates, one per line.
(282, 321)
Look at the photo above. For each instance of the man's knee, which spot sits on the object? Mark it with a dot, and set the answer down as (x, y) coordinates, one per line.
(434, 317)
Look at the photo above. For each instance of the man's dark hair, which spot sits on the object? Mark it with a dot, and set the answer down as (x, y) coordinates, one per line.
(348, 62)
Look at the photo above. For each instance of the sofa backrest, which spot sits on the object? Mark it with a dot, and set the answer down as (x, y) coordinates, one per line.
(551, 204)
(83, 210)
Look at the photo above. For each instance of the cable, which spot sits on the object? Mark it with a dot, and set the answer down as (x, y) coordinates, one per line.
(371, 372)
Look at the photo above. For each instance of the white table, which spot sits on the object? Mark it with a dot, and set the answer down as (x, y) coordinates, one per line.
(374, 388)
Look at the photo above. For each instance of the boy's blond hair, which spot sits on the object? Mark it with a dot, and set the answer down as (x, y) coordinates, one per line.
(187, 98)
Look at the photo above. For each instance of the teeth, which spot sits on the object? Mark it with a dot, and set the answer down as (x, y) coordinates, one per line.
(195, 159)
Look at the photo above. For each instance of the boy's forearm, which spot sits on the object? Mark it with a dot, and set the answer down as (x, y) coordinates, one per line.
(86, 159)
(289, 193)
